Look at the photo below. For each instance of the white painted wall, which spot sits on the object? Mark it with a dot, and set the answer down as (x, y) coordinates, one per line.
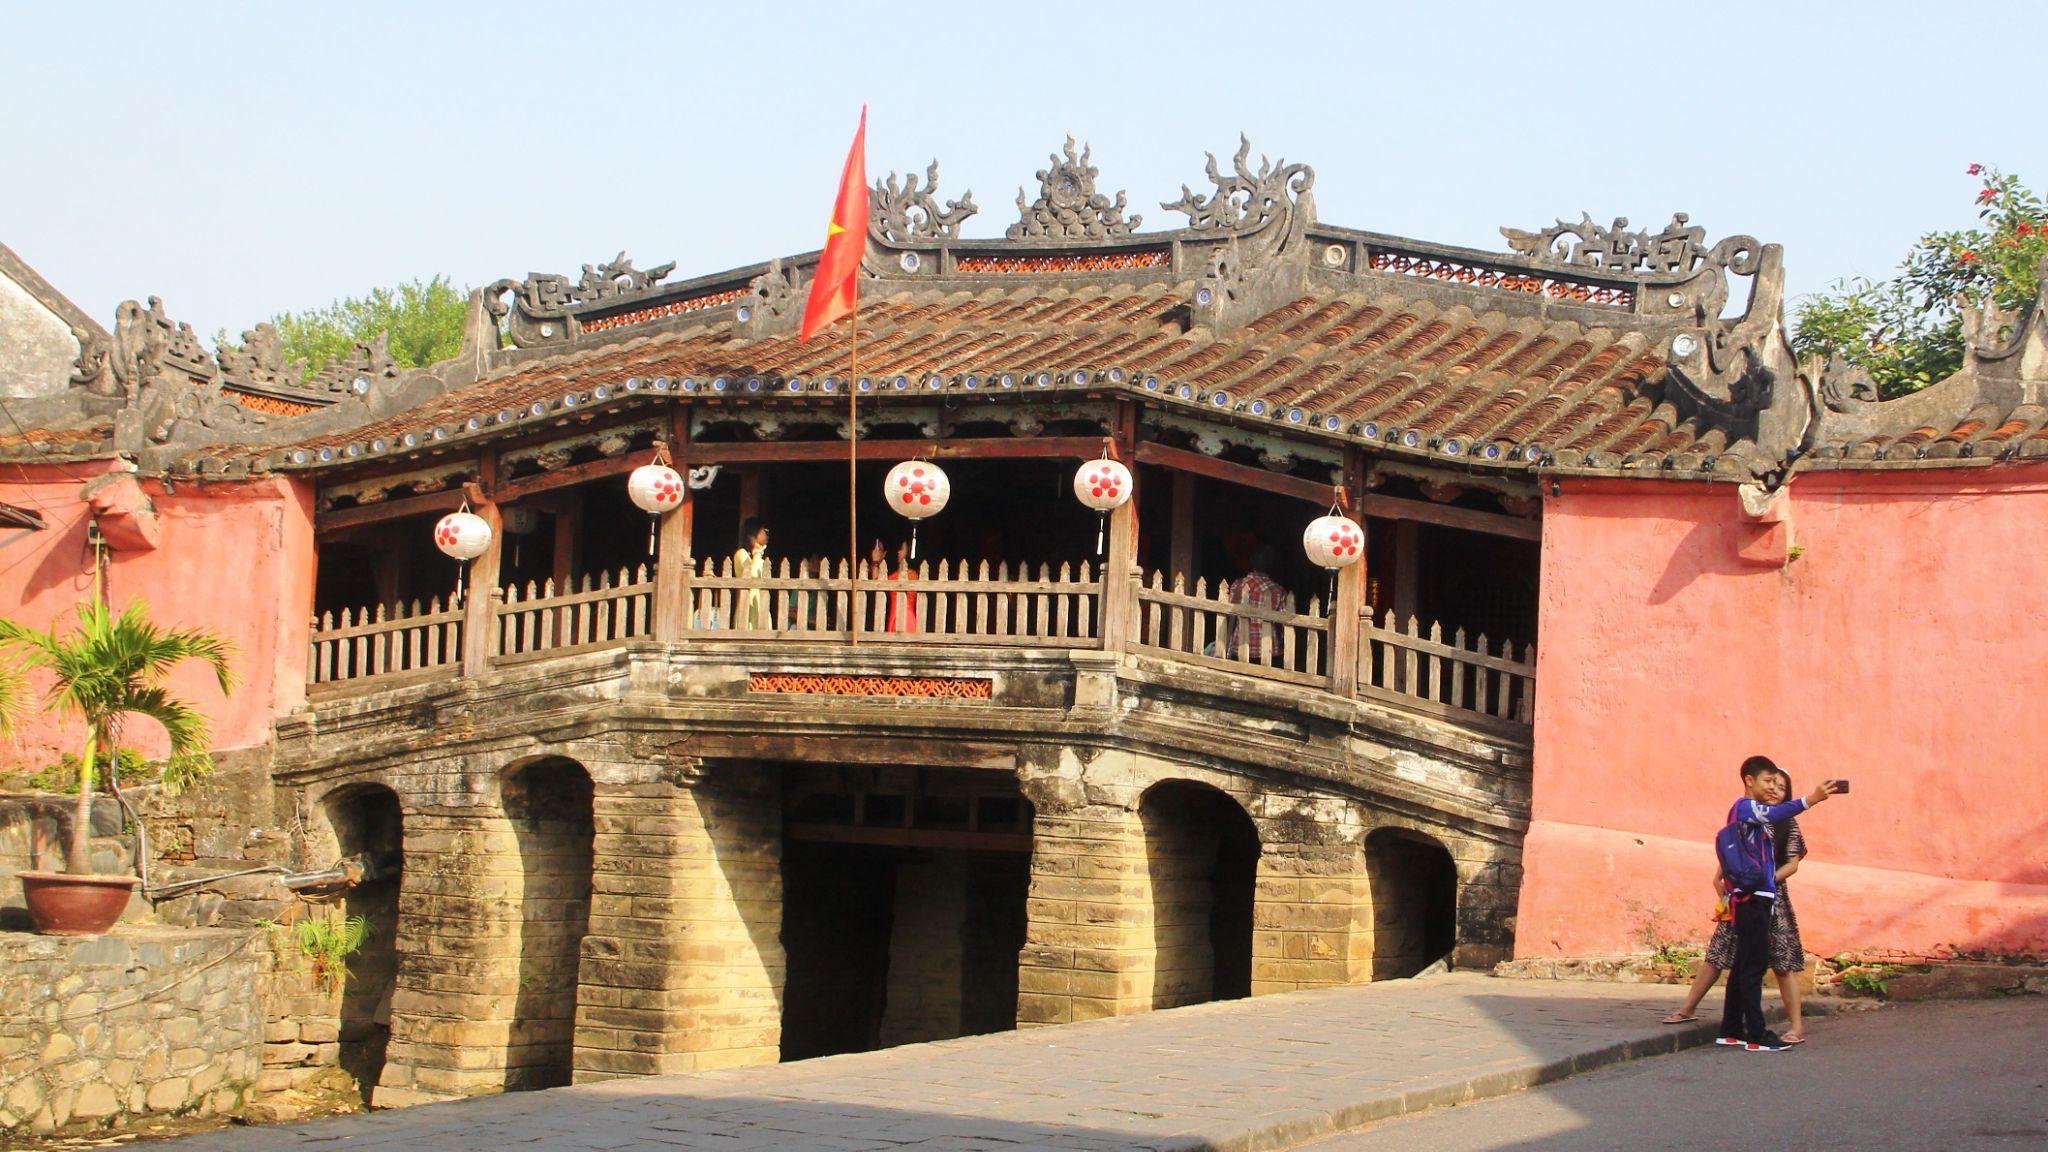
(36, 345)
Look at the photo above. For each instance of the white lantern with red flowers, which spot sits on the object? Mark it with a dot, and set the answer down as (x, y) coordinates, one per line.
(1333, 541)
(463, 534)
(655, 488)
(1104, 485)
(917, 489)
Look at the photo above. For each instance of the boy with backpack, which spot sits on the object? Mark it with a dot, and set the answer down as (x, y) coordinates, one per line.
(1749, 874)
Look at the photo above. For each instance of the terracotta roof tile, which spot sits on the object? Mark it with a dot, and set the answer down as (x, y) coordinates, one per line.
(1406, 364)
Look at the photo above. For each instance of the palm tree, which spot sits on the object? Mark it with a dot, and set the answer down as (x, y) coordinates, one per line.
(107, 668)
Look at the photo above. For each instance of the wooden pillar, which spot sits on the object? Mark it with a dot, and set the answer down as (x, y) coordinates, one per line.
(479, 610)
(1181, 537)
(750, 494)
(1407, 567)
(1120, 574)
(672, 548)
(568, 535)
(1346, 623)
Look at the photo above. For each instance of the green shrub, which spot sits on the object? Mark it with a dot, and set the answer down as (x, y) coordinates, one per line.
(328, 942)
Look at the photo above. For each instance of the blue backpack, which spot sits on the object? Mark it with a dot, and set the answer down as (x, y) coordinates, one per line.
(1745, 863)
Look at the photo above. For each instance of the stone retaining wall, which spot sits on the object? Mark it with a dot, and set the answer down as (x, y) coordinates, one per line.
(145, 1020)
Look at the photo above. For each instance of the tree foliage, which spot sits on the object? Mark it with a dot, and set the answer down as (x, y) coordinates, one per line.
(424, 318)
(1907, 331)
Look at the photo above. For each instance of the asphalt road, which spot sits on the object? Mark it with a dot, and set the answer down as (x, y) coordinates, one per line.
(1963, 1076)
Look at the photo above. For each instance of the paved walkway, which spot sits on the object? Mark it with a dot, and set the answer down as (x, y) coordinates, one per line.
(1250, 1074)
(1968, 1077)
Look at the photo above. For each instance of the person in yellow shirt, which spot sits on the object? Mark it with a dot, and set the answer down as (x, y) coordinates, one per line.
(751, 561)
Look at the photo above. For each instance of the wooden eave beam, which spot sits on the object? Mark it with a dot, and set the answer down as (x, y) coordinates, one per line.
(1166, 456)
(382, 510)
(1444, 515)
(803, 451)
(509, 490)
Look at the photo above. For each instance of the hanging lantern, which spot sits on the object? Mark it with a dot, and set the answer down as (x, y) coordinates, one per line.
(655, 488)
(1103, 485)
(1334, 541)
(518, 521)
(462, 534)
(917, 489)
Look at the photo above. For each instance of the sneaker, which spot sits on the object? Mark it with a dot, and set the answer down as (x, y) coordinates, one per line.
(1729, 1041)
(1771, 1042)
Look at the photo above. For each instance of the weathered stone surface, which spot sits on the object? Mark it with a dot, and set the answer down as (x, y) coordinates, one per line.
(121, 1041)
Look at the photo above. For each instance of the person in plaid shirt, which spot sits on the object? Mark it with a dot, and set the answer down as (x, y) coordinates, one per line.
(1256, 589)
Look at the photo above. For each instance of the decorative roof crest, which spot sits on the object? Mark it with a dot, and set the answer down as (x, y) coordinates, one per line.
(905, 213)
(259, 360)
(1244, 201)
(354, 375)
(1678, 249)
(775, 300)
(1068, 206)
(147, 343)
(548, 294)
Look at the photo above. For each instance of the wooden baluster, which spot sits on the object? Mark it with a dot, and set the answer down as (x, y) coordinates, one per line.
(1432, 662)
(1411, 682)
(1460, 671)
(1491, 691)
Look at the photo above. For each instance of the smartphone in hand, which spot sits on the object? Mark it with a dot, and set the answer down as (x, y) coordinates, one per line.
(1841, 787)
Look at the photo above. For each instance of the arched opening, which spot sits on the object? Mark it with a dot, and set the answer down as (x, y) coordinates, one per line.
(1202, 856)
(548, 803)
(1414, 902)
(903, 893)
(367, 822)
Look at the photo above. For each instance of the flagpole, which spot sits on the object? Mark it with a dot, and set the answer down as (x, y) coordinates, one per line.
(853, 472)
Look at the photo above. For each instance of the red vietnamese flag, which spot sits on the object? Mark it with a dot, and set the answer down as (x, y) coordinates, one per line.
(835, 287)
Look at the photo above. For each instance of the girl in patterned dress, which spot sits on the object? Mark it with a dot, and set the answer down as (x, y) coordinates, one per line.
(1788, 955)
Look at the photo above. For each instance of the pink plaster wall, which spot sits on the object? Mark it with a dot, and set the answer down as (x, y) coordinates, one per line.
(1904, 648)
(236, 559)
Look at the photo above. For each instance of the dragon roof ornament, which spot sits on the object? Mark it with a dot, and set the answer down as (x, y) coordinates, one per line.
(903, 212)
(1677, 250)
(1244, 201)
(1068, 206)
(549, 294)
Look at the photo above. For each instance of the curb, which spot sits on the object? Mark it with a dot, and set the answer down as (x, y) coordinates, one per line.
(1277, 1131)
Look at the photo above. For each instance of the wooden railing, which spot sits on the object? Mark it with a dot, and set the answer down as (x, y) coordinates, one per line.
(989, 605)
(601, 609)
(1404, 663)
(1213, 628)
(366, 643)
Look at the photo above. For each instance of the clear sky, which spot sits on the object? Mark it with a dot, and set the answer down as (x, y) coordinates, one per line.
(238, 160)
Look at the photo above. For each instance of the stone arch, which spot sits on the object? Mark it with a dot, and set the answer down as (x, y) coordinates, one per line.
(368, 824)
(1414, 885)
(549, 804)
(1201, 862)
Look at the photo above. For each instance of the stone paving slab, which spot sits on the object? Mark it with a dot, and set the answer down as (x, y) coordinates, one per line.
(1244, 1075)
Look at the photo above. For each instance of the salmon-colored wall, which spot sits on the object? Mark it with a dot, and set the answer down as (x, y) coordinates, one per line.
(1903, 648)
(233, 558)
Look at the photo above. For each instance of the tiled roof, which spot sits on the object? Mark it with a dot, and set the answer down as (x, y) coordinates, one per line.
(1381, 366)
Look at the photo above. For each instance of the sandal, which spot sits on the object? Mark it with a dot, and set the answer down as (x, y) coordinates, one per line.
(1680, 1018)
(1794, 1038)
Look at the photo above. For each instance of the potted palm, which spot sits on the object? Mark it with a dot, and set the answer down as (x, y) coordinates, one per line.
(104, 670)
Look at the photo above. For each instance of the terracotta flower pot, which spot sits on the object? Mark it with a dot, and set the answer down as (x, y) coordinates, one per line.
(66, 905)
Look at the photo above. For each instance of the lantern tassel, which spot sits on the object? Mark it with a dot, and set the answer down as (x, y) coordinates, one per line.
(461, 570)
(652, 521)
(913, 539)
(1101, 530)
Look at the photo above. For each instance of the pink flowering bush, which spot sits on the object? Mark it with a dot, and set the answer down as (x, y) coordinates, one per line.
(1906, 331)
